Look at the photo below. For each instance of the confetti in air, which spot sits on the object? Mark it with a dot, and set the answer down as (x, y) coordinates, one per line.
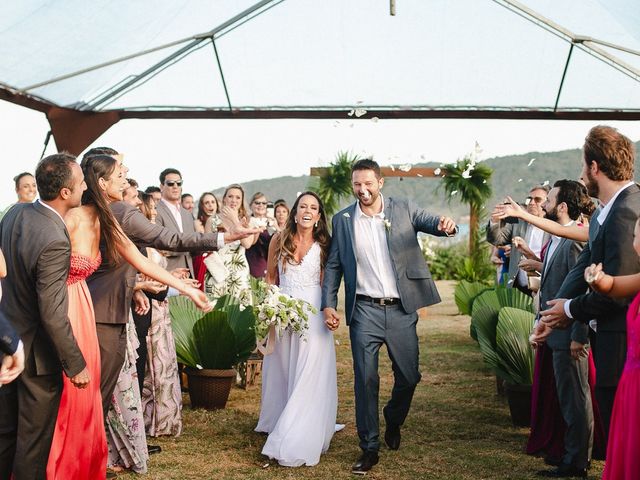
(545, 183)
(374, 119)
(422, 157)
(484, 181)
(359, 112)
(351, 112)
(531, 162)
(519, 180)
(393, 169)
(419, 174)
(405, 168)
(454, 192)
(437, 171)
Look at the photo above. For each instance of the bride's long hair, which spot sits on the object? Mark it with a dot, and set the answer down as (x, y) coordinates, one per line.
(285, 249)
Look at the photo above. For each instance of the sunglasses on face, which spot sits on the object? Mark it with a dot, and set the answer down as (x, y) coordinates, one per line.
(534, 199)
(260, 203)
(170, 183)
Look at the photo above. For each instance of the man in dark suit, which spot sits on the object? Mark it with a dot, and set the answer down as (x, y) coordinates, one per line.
(608, 167)
(566, 201)
(11, 352)
(35, 242)
(387, 280)
(171, 215)
(501, 233)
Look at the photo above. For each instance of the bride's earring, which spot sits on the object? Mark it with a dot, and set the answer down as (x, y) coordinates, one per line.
(316, 225)
(295, 220)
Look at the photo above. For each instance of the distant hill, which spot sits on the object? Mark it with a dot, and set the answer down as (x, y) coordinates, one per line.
(511, 176)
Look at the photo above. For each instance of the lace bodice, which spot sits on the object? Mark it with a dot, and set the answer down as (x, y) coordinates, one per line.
(305, 274)
(633, 335)
(81, 267)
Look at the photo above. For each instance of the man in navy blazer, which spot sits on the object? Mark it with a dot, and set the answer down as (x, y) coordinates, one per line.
(375, 248)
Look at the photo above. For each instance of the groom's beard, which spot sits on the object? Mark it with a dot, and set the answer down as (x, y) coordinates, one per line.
(367, 198)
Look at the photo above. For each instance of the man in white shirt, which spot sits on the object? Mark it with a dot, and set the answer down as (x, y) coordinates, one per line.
(386, 280)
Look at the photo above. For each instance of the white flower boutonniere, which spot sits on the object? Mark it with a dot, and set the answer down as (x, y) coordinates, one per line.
(387, 224)
(346, 215)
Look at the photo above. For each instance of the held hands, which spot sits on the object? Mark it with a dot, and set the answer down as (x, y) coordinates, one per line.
(82, 379)
(11, 367)
(331, 318)
(529, 265)
(447, 225)
(554, 317)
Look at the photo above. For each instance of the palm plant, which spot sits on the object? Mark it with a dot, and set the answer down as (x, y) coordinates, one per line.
(335, 182)
(217, 340)
(469, 182)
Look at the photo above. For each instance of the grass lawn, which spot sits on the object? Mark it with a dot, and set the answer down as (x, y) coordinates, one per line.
(458, 428)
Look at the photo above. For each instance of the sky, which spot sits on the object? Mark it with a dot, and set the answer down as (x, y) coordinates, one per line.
(216, 153)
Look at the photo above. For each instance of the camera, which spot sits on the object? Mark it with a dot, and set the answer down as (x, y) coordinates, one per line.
(511, 220)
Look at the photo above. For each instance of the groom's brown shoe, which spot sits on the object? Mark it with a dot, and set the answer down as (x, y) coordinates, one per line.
(365, 463)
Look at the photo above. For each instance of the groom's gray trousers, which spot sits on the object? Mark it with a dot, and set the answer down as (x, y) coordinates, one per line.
(371, 326)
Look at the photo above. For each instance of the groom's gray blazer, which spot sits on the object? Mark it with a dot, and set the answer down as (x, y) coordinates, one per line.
(413, 278)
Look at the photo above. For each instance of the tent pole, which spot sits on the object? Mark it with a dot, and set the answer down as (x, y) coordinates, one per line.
(564, 74)
(224, 83)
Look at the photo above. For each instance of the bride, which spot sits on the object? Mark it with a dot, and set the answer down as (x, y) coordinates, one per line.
(299, 385)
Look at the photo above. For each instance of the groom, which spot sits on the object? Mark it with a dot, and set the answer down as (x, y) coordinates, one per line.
(375, 247)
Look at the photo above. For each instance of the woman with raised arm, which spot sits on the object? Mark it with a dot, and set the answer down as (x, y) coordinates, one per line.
(79, 448)
(299, 386)
(623, 461)
(577, 231)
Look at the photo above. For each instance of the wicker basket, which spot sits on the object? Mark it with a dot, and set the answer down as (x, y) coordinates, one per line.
(209, 389)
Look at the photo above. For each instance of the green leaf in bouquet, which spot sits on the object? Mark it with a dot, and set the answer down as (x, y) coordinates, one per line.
(215, 341)
(184, 315)
(512, 344)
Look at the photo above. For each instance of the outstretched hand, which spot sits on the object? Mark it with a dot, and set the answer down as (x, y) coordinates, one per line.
(447, 225)
(509, 208)
(199, 298)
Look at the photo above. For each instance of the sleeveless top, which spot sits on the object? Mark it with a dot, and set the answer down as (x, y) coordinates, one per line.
(304, 274)
(82, 266)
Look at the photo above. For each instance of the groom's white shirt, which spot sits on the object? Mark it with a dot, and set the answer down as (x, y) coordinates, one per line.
(375, 277)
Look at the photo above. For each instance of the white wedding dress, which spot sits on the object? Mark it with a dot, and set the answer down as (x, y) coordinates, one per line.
(299, 384)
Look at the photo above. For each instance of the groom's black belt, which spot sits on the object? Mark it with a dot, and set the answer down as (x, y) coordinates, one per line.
(379, 301)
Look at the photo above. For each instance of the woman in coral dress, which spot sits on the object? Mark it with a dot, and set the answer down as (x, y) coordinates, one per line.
(79, 448)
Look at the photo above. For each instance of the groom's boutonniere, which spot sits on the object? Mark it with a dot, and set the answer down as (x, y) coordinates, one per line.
(387, 224)
(346, 215)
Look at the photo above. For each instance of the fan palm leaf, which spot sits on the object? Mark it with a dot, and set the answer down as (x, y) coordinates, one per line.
(512, 344)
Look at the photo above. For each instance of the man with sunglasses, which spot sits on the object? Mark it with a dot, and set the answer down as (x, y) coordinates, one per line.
(173, 216)
(500, 233)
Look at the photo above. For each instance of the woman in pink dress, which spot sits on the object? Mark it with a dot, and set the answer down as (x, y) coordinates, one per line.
(79, 448)
(623, 449)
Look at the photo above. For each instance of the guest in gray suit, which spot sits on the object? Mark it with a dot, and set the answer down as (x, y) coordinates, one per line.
(35, 242)
(500, 233)
(375, 247)
(566, 202)
(173, 216)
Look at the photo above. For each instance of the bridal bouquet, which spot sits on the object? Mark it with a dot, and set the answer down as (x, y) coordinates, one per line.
(279, 310)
